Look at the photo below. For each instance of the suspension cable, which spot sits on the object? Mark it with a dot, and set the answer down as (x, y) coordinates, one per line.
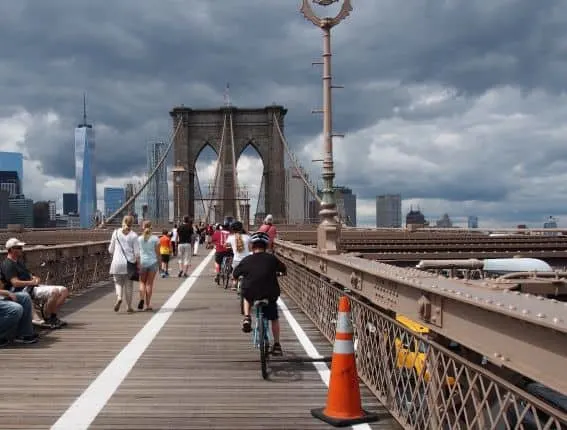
(217, 169)
(150, 177)
(308, 184)
(234, 172)
(291, 156)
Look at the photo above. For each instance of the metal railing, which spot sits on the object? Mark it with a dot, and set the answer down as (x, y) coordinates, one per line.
(423, 384)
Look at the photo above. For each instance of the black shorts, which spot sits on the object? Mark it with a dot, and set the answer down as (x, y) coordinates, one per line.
(220, 255)
(165, 258)
(270, 310)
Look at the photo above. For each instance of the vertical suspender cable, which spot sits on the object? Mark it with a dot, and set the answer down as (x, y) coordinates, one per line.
(216, 181)
(308, 184)
(234, 172)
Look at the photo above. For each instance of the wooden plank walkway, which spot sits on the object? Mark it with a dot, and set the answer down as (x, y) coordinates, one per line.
(199, 372)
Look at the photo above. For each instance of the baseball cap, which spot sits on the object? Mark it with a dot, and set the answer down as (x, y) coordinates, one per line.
(10, 243)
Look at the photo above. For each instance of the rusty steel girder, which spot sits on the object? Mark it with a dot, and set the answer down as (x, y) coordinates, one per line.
(522, 332)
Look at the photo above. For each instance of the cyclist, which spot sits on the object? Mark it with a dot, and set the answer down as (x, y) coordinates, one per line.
(239, 243)
(260, 270)
(270, 229)
(219, 240)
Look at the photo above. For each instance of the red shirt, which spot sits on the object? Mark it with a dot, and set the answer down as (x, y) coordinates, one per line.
(219, 239)
(271, 231)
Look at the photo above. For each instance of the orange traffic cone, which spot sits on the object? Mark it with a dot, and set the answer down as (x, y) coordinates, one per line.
(343, 399)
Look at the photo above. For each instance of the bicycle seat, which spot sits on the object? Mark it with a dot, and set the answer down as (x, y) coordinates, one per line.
(261, 302)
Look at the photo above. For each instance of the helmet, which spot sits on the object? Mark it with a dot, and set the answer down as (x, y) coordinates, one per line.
(236, 226)
(260, 238)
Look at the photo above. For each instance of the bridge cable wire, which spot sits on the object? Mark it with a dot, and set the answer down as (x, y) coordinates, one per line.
(216, 180)
(308, 185)
(150, 177)
(234, 171)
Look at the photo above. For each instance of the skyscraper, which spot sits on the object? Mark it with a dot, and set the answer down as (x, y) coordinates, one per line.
(21, 211)
(297, 197)
(113, 199)
(52, 211)
(472, 221)
(346, 205)
(10, 183)
(70, 204)
(129, 190)
(13, 162)
(85, 178)
(157, 196)
(345, 202)
(389, 211)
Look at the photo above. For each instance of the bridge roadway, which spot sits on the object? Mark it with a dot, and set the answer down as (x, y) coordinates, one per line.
(186, 366)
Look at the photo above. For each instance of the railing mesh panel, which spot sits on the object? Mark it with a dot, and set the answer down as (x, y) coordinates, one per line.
(424, 385)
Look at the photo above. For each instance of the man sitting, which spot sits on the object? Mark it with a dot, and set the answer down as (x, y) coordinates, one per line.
(18, 278)
(15, 318)
(259, 271)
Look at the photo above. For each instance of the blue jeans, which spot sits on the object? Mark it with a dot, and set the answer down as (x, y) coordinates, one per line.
(16, 317)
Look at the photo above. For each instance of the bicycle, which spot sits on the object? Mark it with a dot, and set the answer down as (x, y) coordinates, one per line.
(239, 294)
(261, 336)
(225, 270)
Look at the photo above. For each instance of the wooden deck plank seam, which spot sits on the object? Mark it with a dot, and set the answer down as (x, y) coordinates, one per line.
(88, 405)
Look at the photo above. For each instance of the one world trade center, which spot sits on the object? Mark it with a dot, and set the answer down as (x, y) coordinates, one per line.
(85, 178)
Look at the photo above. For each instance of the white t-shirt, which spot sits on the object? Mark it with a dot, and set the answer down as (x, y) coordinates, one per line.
(123, 248)
(174, 235)
(239, 256)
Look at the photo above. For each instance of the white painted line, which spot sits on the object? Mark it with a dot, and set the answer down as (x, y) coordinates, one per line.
(311, 351)
(88, 405)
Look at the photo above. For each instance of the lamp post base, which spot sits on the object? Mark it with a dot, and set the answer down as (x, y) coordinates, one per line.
(328, 238)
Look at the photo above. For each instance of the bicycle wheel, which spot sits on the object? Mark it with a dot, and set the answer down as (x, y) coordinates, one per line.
(227, 272)
(263, 347)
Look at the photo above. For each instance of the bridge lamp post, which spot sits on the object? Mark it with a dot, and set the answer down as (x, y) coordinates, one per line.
(178, 177)
(328, 230)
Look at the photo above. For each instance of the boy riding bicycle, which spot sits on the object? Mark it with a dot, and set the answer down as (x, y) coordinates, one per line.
(259, 271)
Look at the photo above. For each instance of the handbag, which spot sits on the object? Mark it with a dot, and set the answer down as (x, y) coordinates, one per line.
(131, 268)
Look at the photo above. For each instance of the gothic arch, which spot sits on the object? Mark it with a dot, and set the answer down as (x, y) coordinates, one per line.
(251, 127)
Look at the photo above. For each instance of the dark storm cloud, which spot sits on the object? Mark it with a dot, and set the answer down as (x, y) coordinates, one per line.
(137, 59)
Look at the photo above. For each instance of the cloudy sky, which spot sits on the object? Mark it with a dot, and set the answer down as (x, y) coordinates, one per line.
(459, 105)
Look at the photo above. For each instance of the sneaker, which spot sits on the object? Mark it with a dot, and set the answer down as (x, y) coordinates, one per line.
(58, 322)
(185, 275)
(4, 342)
(217, 279)
(117, 305)
(26, 340)
(247, 324)
(54, 322)
(277, 349)
(140, 305)
(180, 274)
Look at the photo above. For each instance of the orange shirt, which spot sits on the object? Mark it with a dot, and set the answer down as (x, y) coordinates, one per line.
(164, 245)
